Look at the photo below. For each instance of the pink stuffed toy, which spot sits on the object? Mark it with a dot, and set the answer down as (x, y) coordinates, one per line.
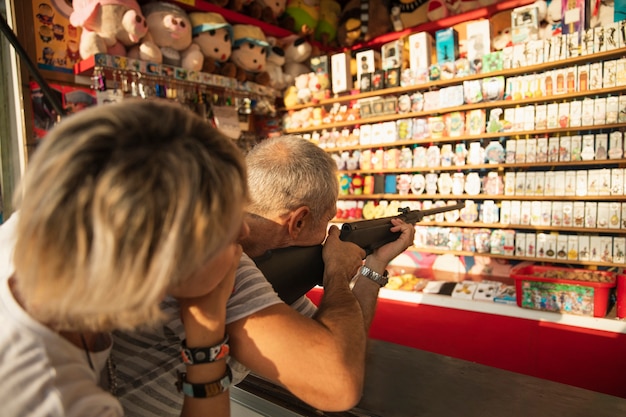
(109, 26)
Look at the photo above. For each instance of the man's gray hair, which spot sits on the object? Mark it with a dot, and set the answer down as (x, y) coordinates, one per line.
(288, 172)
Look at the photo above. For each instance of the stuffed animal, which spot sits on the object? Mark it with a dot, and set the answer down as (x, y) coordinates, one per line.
(297, 53)
(214, 36)
(302, 83)
(503, 39)
(549, 15)
(246, 7)
(412, 12)
(326, 30)
(271, 10)
(169, 28)
(274, 67)
(109, 26)
(360, 21)
(301, 16)
(439, 9)
(290, 97)
(250, 51)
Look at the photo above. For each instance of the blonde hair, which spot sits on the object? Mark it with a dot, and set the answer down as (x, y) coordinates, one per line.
(288, 172)
(121, 203)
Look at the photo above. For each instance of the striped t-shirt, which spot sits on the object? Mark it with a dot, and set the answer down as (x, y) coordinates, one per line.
(146, 361)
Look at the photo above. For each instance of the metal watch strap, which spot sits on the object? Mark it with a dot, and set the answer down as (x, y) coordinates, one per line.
(204, 390)
(374, 276)
(194, 356)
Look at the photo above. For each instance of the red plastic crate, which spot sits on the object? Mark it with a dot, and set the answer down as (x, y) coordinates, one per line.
(561, 295)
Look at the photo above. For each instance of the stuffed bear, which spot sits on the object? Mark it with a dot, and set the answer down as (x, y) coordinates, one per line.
(250, 50)
(358, 24)
(169, 28)
(109, 26)
(214, 35)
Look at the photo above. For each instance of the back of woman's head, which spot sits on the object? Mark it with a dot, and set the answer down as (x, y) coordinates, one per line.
(120, 203)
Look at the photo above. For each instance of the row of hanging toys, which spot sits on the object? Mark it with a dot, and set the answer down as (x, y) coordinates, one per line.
(112, 85)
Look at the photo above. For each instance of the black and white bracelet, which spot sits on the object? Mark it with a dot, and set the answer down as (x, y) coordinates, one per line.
(199, 355)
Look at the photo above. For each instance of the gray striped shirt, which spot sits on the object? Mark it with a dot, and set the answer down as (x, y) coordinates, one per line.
(146, 361)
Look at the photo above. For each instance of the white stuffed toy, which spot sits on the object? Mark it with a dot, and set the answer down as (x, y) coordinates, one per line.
(274, 67)
(169, 28)
(109, 26)
(297, 54)
(551, 23)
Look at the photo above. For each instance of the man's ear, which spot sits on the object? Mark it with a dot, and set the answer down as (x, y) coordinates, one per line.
(298, 219)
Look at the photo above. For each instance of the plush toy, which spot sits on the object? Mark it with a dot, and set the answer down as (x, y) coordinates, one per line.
(412, 12)
(290, 97)
(271, 10)
(274, 67)
(326, 30)
(109, 26)
(250, 51)
(214, 36)
(297, 53)
(549, 15)
(439, 9)
(304, 93)
(363, 21)
(503, 39)
(301, 16)
(169, 28)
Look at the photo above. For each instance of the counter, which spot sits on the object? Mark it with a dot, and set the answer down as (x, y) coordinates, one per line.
(405, 382)
(584, 352)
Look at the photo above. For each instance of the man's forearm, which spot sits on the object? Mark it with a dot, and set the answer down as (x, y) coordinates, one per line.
(340, 313)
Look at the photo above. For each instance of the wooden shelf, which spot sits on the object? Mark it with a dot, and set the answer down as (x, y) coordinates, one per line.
(484, 136)
(481, 225)
(498, 167)
(518, 258)
(600, 56)
(480, 197)
(465, 107)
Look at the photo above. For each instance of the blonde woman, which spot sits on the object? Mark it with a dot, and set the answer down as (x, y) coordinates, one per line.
(122, 205)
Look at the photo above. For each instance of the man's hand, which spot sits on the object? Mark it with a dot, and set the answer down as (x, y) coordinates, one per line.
(341, 259)
(379, 259)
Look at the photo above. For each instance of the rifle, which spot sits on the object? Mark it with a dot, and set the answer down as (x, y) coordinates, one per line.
(281, 265)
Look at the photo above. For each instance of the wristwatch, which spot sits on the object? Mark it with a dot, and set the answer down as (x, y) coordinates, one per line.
(375, 276)
(204, 390)
(194, 356)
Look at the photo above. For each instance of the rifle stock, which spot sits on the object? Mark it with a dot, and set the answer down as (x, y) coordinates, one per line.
(294, 270)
